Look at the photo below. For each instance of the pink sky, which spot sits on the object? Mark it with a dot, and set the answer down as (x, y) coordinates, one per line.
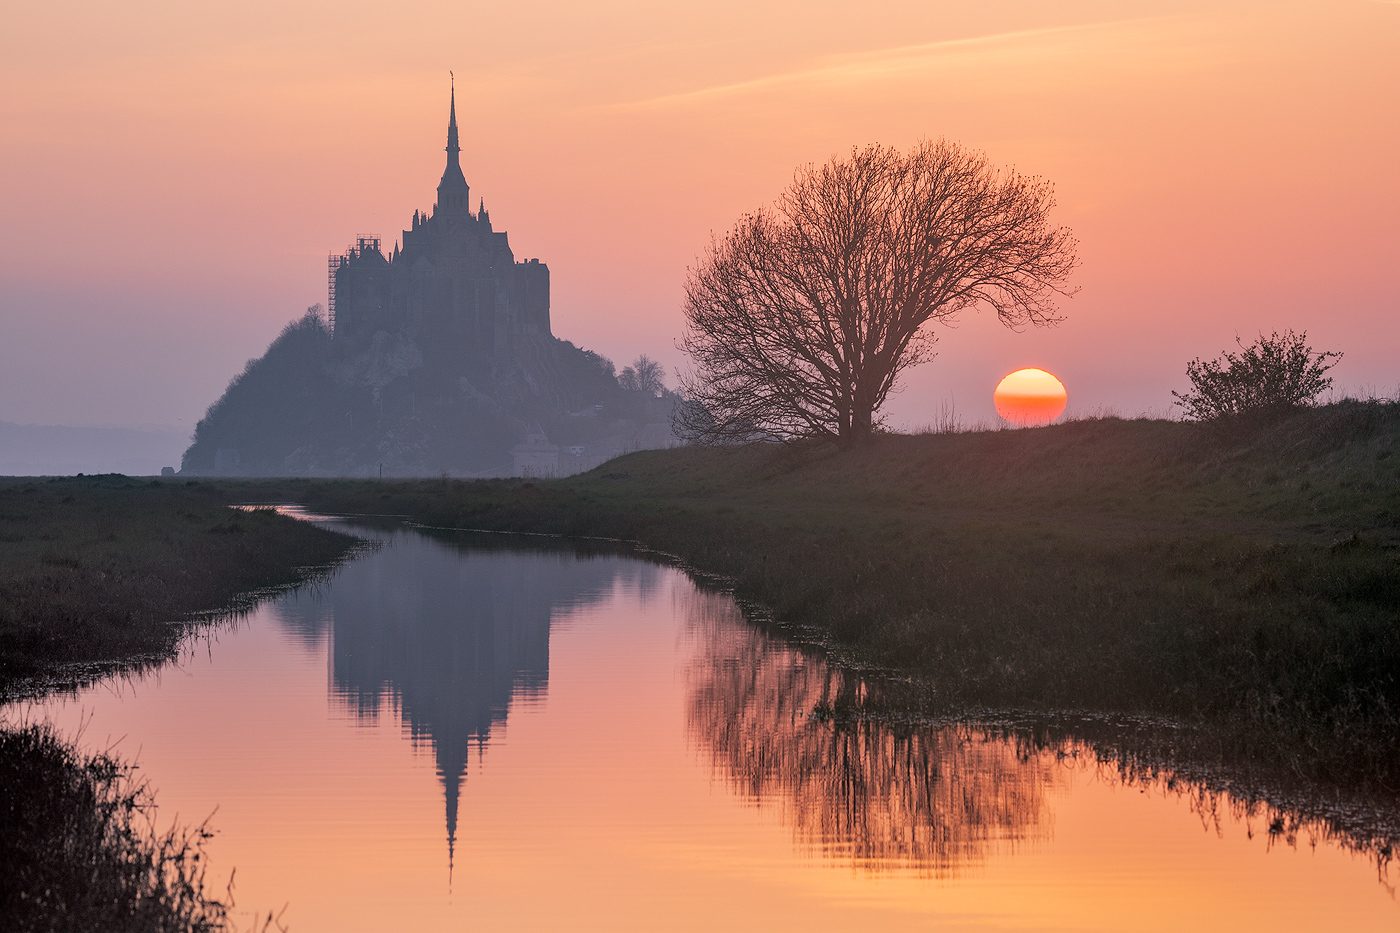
(175, 174)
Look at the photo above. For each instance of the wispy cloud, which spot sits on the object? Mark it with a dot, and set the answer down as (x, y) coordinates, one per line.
(883, 63)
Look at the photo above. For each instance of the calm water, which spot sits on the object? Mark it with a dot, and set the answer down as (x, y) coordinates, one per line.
(453, 736)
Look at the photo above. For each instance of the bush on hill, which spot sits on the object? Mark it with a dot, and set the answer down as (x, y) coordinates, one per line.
(1270, 376)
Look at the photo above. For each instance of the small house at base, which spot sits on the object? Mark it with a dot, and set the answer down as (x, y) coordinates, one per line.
(537, 456)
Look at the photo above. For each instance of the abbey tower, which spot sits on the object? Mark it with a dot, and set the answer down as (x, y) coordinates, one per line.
(454, 289)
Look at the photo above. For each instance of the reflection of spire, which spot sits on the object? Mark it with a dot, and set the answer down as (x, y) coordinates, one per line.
(453, 751)
(452, 786)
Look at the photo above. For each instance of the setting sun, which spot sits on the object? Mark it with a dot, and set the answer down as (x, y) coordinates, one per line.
(1030, 397)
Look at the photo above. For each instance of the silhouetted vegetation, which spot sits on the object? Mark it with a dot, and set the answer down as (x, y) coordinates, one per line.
(645, 375)
(801, 319)
(79, 848)
(101, 570)
(1249, 583)
(1271, 376)
(284, 401)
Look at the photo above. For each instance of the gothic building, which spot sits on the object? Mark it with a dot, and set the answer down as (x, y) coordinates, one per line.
(454, 289)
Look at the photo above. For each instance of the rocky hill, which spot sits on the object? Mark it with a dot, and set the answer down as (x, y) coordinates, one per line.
(302, 409)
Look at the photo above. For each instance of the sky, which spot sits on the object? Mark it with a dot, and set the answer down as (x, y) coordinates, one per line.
(175, 174)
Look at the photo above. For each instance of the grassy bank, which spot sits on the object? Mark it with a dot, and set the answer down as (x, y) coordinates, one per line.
(95, 570)
(1245, 579)
(98, 573)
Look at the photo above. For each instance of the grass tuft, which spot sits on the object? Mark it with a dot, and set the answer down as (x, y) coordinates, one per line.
(79, 849)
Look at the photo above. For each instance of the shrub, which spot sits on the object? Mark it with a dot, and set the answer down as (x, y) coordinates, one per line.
(1275, 374)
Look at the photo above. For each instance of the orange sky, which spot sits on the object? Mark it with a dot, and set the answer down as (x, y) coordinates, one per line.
(175, 174)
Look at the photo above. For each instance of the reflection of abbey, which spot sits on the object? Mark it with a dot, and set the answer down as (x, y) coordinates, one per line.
(448, 636)
(437, 357)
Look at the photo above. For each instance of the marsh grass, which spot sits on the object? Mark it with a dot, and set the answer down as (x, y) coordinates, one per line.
(80, 849)
(1241, 577)
(104, 571)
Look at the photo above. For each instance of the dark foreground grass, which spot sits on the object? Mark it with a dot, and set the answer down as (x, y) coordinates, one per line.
(79, 849)
(101, 571)
(1245, 580)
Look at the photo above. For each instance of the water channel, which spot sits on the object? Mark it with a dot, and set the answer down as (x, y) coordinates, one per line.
(454, 733)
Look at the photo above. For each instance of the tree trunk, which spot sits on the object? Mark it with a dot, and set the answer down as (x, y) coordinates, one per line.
(861, 431)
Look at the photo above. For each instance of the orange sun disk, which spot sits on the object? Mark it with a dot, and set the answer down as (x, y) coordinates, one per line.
(1030, 397)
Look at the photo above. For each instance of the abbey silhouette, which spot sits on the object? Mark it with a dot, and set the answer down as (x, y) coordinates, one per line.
(437, 357)
(454, 288)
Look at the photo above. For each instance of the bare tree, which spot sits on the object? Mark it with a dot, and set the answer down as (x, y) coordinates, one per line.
(800, 321)
(1272, 375)
(644, 375)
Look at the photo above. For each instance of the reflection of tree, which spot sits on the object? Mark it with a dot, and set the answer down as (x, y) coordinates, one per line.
(447, 637)
(929, 798)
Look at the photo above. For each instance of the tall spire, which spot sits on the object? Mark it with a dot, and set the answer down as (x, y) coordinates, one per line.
(452, 147)
(452, 190)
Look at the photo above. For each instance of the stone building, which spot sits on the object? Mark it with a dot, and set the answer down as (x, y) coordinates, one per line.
(452, 299)
(537, 457)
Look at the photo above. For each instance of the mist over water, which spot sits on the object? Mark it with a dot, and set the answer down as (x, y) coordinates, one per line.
(458, 732)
